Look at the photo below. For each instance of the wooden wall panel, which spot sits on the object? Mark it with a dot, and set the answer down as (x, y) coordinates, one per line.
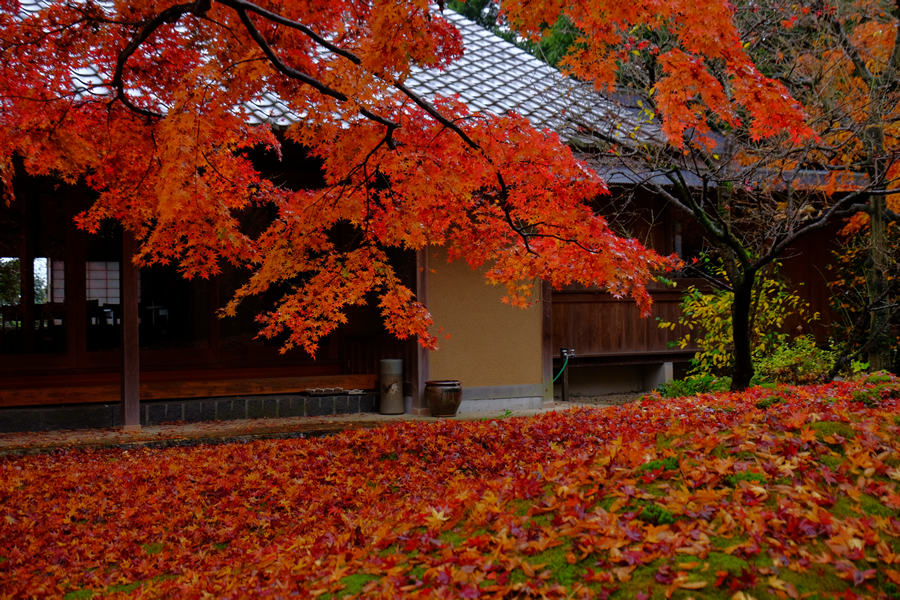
(363, 353)
(596, 324)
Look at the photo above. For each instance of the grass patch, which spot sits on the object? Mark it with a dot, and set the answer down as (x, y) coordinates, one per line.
(873, 507)
(554, 560)
(641, 580)
(867, 397)
(824, 429)
(719, 561)
(667, 464)
(721, 451)
(517, 576)
(78, 595)
(744, 455)
(766, 403)
(519, 507)
(656, 515)
(722, 542)
(353, 584)
(732, 480)
(821, 581)
(893, 593)
(869, 505)
(655, 489)
(831, 461)
(124, 587)
(665, 442)
(153, 548)
(453, 538)
(543, 519)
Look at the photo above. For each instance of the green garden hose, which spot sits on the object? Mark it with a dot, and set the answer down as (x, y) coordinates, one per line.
(561, 370)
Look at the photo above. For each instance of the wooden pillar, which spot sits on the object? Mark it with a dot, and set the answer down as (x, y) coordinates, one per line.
(26, 271)
(422, 355)
(131, 401)
(547, 342)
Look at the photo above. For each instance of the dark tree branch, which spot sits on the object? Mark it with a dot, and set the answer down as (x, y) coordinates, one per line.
(858, 63)
(169, 15)
(716, 283)
(241, 6)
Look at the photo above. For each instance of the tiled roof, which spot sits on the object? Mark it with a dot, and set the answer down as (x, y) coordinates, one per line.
(493, 75)
(496, 76)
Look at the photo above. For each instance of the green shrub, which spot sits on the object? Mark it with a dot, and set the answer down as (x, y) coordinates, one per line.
(799, 362)
(707, 317)
(693, 385)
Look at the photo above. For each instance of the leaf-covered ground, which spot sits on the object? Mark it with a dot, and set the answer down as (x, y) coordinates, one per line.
(791, 493)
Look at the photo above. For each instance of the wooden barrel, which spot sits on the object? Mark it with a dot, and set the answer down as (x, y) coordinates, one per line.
(443, 397)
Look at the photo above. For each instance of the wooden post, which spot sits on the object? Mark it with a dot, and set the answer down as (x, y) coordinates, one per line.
(565, 376)
(131, 401)
(547, 342)
(421, 374)
(26, 273)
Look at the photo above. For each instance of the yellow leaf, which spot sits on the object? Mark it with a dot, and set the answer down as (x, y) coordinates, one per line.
(436, 519)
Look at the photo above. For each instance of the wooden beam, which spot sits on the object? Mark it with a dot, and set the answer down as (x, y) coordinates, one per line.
(131, 367)
(108, 390)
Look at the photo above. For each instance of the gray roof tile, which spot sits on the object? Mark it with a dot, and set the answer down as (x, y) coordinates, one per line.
(492, 76)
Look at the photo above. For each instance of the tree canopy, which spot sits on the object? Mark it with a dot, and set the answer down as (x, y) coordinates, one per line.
(754, 195)
(147, 103)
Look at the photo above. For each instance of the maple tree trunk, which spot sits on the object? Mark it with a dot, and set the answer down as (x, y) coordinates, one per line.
(878, 263)
(740, 323)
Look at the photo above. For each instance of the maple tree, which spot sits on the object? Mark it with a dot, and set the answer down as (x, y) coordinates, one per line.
(755, 196)
(147, 103)
(788, 493)
(843, 63)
